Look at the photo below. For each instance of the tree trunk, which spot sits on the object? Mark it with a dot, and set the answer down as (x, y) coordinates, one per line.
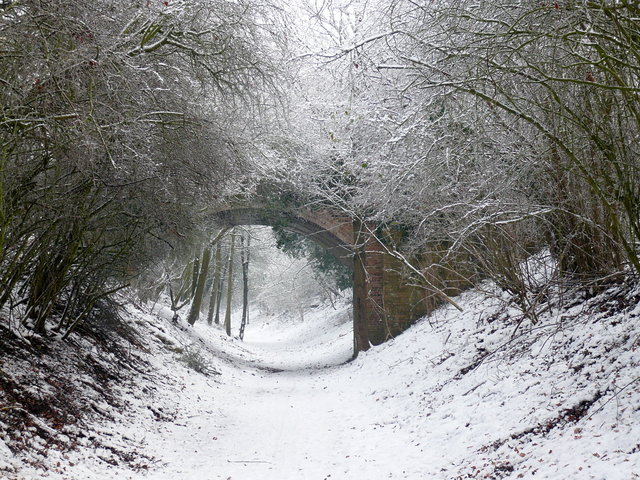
(219, 294)
(194, 276)
(185, 283)
(227, 317)
(194, 313)
(214, 298)
(245, 283)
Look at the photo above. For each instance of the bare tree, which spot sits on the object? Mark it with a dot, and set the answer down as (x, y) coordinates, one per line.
(112, 114)
(216, 287)
(560, 77)
(198, 294)
(245, 245)
(227, 316)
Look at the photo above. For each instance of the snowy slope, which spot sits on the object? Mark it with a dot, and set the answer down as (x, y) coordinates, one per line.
(457, 396)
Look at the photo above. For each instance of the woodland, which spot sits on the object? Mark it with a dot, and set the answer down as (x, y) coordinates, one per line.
(491, 131)
(503, 137)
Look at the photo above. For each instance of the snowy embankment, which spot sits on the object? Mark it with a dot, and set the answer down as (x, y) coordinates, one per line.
(460, 395)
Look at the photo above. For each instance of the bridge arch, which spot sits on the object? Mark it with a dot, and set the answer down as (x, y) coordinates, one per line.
(333, 233)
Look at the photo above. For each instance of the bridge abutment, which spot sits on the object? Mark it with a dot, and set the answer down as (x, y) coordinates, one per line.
(385, 302)
(368, 289)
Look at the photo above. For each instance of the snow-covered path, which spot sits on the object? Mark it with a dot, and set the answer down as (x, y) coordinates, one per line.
(291, 416)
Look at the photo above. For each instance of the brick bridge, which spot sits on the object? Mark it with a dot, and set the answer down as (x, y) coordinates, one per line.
(384, 301)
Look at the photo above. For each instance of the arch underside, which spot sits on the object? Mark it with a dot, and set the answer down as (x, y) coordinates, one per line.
(293, 223)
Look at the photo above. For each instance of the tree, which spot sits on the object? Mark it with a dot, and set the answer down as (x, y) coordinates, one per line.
(326, 267)
(216, 287)
(475, 134)
(245, 245)
(220, 290)
(559, 75)
(111, 113)
(198, 294)
(227, 316)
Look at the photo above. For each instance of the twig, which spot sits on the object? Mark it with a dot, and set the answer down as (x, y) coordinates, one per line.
(12, 407)
(248, 461)
(615, 394)
(473, 388)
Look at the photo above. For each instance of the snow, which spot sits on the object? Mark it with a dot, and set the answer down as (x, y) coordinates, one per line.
(454, 397)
